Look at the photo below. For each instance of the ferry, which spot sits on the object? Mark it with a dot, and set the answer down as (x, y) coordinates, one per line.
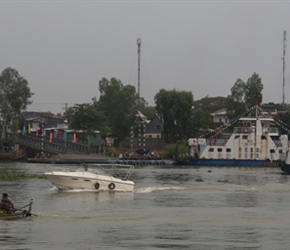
(255, 142)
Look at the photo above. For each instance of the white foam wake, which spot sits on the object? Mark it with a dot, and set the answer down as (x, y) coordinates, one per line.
(158, 189)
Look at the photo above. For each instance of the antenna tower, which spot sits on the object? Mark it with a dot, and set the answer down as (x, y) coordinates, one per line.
(139, 57)
(283, 58)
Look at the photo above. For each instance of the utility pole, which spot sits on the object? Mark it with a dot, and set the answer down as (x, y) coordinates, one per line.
(139, 57)
(283, 58)
(65, 107)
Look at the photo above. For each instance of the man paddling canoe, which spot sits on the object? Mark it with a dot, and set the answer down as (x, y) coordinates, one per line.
(6, 204)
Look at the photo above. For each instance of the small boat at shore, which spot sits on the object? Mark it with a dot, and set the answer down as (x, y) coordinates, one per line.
(285, 165)
(256, 141)
(18, 214)
(114, 178)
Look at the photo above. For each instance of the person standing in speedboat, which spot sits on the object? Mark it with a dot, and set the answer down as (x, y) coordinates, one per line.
(85, 165)
(6, 204)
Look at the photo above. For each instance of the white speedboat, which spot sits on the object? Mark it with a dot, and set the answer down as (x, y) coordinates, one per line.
(94, 178)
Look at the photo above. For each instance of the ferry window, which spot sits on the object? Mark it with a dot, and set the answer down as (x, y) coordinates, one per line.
(272, 151)
(228, 150)
(220, 150)
(211, 150)
(245, 137)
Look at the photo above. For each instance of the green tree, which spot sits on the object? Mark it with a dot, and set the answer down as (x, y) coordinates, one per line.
(15, 96)
(253, 91)
(238, 91)
(69, 114)
(244, 95)
(210, 104)
(87, 118)
(175, 109)
(200, 120)
(149, 111)
(118, 101)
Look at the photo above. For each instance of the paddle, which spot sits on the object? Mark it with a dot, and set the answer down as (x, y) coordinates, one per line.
(28, 214)
(22, 207)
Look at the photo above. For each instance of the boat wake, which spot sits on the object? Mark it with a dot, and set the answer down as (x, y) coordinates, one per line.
(73, 190)
(158, 189)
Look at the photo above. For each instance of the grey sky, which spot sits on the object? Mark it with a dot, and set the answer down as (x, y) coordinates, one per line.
(63, 48)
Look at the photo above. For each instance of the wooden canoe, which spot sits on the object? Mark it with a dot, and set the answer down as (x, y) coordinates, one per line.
(18, 213)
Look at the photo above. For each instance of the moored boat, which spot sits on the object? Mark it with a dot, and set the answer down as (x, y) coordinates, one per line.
(17, 214)
(256, 141)
(94, 178)
(285, 162)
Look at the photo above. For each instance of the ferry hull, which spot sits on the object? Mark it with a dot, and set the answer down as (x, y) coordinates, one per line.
(230, 163)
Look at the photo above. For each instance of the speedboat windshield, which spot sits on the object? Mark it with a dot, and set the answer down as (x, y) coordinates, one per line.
(113, 170)
(94, 170)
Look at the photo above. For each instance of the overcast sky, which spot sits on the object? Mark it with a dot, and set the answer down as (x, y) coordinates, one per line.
(63, 48)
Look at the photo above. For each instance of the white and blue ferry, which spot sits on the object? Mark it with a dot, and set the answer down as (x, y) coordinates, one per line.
(255, 141)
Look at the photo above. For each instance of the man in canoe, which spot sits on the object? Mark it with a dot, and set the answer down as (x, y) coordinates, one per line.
(6, 204)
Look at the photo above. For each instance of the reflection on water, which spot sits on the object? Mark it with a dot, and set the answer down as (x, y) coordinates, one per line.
(81, 195)
(171, 208)
(10, 237)
(165, 178)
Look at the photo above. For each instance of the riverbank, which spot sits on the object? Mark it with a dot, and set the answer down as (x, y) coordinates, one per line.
(71, 158)
(96, 158)
(77, 158)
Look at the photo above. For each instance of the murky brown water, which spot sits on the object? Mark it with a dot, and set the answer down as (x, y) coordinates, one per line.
(172, 208)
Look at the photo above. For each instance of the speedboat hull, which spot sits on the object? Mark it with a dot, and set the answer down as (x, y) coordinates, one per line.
(87, 180)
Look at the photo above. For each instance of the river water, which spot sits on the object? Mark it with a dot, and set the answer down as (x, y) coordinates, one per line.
(171, 208)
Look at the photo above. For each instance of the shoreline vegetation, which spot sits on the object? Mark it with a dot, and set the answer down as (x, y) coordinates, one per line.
(13, 176)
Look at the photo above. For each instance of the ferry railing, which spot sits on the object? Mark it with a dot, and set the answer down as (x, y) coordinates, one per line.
(242, 130)
(248, 130)
(216, 142)
(270, 131)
